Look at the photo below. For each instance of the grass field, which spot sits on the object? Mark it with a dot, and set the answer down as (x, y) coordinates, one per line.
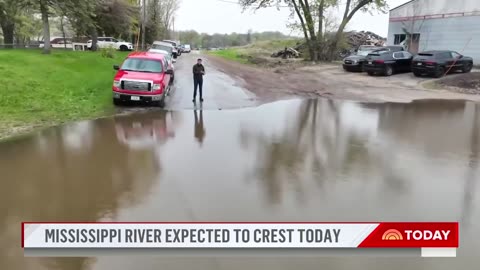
(39, 90)
(257, 49)
(232, 54)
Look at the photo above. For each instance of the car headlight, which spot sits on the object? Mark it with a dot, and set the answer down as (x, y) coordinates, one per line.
(156, 87)
(116, 84)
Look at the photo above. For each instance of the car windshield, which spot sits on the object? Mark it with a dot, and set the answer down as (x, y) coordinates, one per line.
(366, 48)
(162, 47)
(142, 65)
(381, 51)
(364, 51)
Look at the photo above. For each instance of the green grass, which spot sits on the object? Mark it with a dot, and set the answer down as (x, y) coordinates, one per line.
(231, 54)
(39, 90)
(257, 49)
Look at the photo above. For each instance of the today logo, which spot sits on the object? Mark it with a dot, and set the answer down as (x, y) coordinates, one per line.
(416, 235)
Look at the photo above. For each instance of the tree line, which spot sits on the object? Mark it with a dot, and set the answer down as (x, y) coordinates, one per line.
(133, 20)
(203, 40)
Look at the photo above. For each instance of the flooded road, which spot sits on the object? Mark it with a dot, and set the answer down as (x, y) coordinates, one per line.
(299, 160)
(220, 90)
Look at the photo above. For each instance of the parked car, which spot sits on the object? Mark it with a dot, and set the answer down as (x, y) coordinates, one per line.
(437, 63)
(355, 62)
(58, 42)
(169, 59)
(388, 62)
(164, 46)
(142, 77)
(109, 42)
(175, 45)
(187, 48)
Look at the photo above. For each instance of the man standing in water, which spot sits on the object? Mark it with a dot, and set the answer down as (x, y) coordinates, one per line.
(198, 72)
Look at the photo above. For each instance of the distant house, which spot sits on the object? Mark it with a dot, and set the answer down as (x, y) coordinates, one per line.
(422, 25)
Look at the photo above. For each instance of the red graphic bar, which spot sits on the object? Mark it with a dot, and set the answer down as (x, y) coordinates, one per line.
(413, 235)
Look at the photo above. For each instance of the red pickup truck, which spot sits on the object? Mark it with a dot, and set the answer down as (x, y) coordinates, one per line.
(143, 77)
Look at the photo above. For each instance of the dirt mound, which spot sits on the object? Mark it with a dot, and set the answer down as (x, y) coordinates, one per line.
(467, 83)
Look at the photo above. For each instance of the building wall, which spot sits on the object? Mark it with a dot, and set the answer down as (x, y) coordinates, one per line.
(431, 7)
(438, 30)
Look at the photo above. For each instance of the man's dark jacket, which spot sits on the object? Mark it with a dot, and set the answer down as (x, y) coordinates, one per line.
(197, 71)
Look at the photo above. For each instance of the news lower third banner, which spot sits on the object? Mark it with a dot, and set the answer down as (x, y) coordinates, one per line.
(72, 239)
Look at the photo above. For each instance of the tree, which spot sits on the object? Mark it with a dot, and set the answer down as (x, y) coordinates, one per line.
(44, 7)
(26, 27)
(310, 14)
(249, 36)
(9, 9)
(168, 9)
(115, 17)
(155, 28)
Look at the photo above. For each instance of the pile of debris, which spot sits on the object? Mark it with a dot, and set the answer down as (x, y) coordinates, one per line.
(356, 39)
(288, 52)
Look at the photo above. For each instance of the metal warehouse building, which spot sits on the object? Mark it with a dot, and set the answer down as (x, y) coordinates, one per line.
(422, 25)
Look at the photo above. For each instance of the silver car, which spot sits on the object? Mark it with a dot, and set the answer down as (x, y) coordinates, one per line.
(355, 62)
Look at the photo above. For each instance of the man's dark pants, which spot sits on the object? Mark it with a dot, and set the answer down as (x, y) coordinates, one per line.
(198, 83)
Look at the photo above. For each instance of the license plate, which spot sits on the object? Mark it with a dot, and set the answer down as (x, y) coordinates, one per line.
(369, 62)
(419, 64)
(135, 98)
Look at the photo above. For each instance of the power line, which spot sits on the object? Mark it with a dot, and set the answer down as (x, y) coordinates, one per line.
(232, 2)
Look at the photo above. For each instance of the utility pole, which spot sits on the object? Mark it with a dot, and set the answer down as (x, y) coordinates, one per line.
(173, 28)
(144, 19)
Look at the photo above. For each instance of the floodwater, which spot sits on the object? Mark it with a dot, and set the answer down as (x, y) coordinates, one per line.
(298, 160)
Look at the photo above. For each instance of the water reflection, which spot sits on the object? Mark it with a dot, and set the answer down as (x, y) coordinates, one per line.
(65, 184)
(472, 174)
(146, 130)
(199, 127)
(393, 145)
(311, 160)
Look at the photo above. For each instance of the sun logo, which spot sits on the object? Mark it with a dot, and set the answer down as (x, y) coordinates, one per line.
(392, 235)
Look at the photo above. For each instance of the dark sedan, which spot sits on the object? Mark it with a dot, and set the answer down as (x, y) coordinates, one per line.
(388, 62)
(354, 63)
(438, 63)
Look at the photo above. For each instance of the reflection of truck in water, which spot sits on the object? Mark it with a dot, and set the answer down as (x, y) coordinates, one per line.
(143, 131)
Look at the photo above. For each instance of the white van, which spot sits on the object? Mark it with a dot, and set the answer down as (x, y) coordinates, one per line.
(164, 46)
(58, 42)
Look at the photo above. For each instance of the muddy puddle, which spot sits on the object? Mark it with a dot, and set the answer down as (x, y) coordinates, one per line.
(300, 160)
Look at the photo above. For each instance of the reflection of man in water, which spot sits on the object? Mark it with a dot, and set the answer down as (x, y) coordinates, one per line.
(199, 128)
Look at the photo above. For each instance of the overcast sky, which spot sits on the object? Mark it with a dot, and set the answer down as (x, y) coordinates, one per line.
(225, 16)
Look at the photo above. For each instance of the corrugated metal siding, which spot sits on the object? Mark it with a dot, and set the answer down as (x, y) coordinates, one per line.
(444, 34)
(430, 7)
